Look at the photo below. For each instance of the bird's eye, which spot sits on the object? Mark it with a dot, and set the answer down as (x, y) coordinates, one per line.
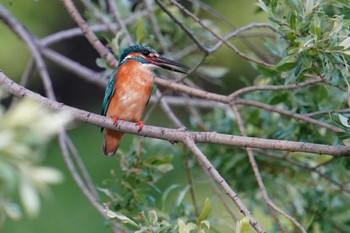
(145, 52)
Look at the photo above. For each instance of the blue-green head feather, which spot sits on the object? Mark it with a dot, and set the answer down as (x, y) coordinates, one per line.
(143, 49)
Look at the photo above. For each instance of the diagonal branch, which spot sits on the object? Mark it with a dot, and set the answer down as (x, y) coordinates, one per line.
(220, 38)
(205, 163)
(95, 42)
(271, 205)
(30, 40)
(175, 135)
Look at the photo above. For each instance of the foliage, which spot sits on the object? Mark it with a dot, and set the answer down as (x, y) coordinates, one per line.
(130, 191)
(25, 130)
(135, 191)
(149, 222)
(311, 39)
(316, 35)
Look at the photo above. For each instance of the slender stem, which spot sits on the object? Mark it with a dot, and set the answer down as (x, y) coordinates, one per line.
(90, 196)
(271, 205)
(190, 182)
(183, 27)
(116, 15)
(290, 114)
(25, 77)
(205, 163)
(341, 187)
(206, 27)
(30, 40)
(82, 168)
(89, 34)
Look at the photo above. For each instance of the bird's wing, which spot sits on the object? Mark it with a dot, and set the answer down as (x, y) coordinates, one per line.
(108, 94)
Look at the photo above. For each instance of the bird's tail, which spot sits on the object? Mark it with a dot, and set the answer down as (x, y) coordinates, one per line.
(111, 142)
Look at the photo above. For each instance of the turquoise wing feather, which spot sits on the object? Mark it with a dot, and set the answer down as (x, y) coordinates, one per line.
(108, 94)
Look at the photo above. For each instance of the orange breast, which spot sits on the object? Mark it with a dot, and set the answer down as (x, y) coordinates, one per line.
(132, 91)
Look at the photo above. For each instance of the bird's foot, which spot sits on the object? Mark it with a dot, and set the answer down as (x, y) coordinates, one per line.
(115, 120)
(140, 124)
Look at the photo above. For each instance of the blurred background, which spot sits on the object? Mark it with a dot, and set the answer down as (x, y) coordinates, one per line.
(65, 209)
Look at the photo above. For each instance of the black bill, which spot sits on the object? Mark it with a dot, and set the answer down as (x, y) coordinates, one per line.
(168, 64)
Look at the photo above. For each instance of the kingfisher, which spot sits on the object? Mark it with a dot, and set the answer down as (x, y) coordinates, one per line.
(130, 87)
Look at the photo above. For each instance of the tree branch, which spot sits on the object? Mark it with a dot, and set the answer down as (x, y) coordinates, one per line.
(176, 135)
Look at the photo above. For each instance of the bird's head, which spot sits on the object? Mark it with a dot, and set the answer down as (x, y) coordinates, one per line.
(150, 58)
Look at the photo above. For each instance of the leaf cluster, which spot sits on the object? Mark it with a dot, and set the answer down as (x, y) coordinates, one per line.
(25, 130)
(316, 36)
(135, 192)
(148, 221)
(132, 191)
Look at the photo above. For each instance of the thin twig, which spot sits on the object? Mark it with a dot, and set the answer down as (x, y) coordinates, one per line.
(74, 67)
(305, 167)
(156, 28)
(25, 77)
(314, 114)
(97, 13)
(89, 33)
(190, 182)
(290, 114)
(120, 21)
(295, 86)
(20, 30)
(70, 165)
(227, 100)
(205, 163)
(74, 32)
(183, 27)
(228, 44)
(221, 196)
(82, 168)
(271, 205)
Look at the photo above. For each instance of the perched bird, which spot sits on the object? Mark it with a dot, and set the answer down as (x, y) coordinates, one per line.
(130, 87)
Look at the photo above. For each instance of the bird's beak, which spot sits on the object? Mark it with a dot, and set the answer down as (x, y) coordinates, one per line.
(168, 64)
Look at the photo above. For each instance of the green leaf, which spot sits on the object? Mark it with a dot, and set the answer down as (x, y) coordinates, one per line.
(337, 25)
(29, 197)
(287, 63)
(152, 217)
(264, 7)
(13, 211)
(309, 6)
(182, 195)
(212, 71)
(279, 98)
(242, 226)
(292, 21)
(346, 141)
(120, 217)
(344, 120)
(102, 63)
(46, 175)
(205, 211)
(182, 226)
(164, 168)
(345, 43)
(205, 223)
(140, 29)
(298, 69)
(315, 26)
(167, 192)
